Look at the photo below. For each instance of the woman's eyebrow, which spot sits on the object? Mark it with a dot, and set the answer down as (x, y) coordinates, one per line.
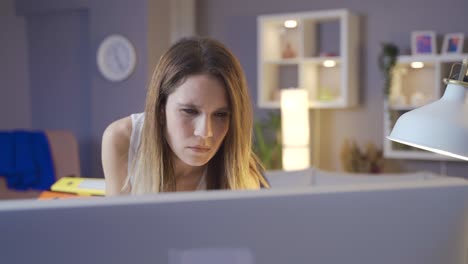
(188, 105)
(223, 109)
(191, 105)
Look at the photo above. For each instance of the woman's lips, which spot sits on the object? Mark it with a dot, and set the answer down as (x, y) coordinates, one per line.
(199, 149)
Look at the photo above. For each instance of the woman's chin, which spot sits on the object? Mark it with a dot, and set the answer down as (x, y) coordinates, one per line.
(196, 162)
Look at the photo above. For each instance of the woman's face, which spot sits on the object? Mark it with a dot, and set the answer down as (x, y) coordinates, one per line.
(197, 119)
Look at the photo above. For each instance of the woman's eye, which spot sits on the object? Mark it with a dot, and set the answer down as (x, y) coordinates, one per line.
(222, 114)
(190, 111)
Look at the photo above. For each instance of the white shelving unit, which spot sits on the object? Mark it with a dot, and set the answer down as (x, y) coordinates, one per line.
(295, 57)
(412, 88)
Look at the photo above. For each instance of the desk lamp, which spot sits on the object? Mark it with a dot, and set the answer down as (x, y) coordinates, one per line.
(441, 126)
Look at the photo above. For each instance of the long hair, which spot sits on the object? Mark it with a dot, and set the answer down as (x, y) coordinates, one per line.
(234, 166)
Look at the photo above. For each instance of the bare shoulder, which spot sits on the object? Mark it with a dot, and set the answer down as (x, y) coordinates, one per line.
(115, 145)
(118, 132)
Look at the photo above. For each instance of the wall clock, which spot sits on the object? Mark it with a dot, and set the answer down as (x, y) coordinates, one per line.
(116, 58)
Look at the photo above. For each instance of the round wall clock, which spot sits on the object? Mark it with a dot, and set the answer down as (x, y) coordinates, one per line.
(116, 58)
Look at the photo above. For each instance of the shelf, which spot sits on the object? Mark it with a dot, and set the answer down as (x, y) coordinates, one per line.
(407, 59)
(283, 75)
(282, 61)
(412, 86)
(320, 60)
(401, 107)
(324, 84)
(320, 38)
(415, 155)
(432, 58)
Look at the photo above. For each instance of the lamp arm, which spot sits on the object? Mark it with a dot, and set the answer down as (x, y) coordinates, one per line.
(464, 66)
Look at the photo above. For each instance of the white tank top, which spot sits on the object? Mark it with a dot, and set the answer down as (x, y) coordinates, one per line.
(135, 137)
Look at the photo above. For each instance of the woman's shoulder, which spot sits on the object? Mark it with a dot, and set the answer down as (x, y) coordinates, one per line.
(115, 144)
(119, 132)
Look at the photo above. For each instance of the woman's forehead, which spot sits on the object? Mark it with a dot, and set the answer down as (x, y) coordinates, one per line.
(201, 90)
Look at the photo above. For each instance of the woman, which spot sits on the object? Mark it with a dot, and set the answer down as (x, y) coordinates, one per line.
(195, 132)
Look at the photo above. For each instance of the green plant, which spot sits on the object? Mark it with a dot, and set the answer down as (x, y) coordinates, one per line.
(387, 60)
(267, 140)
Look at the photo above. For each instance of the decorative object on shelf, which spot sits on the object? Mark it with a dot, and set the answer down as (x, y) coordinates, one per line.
(294, 42)
(423, 42)
(275, 94)
(267, 140)
(353, 159)
(289, 38)
(387, 60)
(326, 94)
(116, 58)
(441, 126)
(288, 52)
(295, 129)
(328, 54)
(289, 42)
(453, 43)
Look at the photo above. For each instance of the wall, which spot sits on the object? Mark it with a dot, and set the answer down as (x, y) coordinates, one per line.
(48, 73)
(234, 23)
(59, 75)
(7, 8)
(67, 90)
(15, 110)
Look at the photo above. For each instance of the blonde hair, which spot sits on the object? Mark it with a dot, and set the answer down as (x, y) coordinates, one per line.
(234, 166)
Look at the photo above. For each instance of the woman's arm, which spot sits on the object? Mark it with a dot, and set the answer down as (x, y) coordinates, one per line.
(115, 144)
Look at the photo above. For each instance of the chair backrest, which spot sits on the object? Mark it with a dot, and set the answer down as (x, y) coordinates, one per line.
(65, 153)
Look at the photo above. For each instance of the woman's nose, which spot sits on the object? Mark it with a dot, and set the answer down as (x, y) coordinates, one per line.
(203, 127)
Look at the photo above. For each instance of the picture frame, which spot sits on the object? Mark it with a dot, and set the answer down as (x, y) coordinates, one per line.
(423, 43)
(453, 43)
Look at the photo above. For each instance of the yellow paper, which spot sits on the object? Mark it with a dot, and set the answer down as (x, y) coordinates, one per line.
(80, 186)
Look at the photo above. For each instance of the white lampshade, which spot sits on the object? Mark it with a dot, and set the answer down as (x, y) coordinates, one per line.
(295, 129)
(441, 126)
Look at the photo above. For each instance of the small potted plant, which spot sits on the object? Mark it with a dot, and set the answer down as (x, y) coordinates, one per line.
(387, 60)
(267, 141)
